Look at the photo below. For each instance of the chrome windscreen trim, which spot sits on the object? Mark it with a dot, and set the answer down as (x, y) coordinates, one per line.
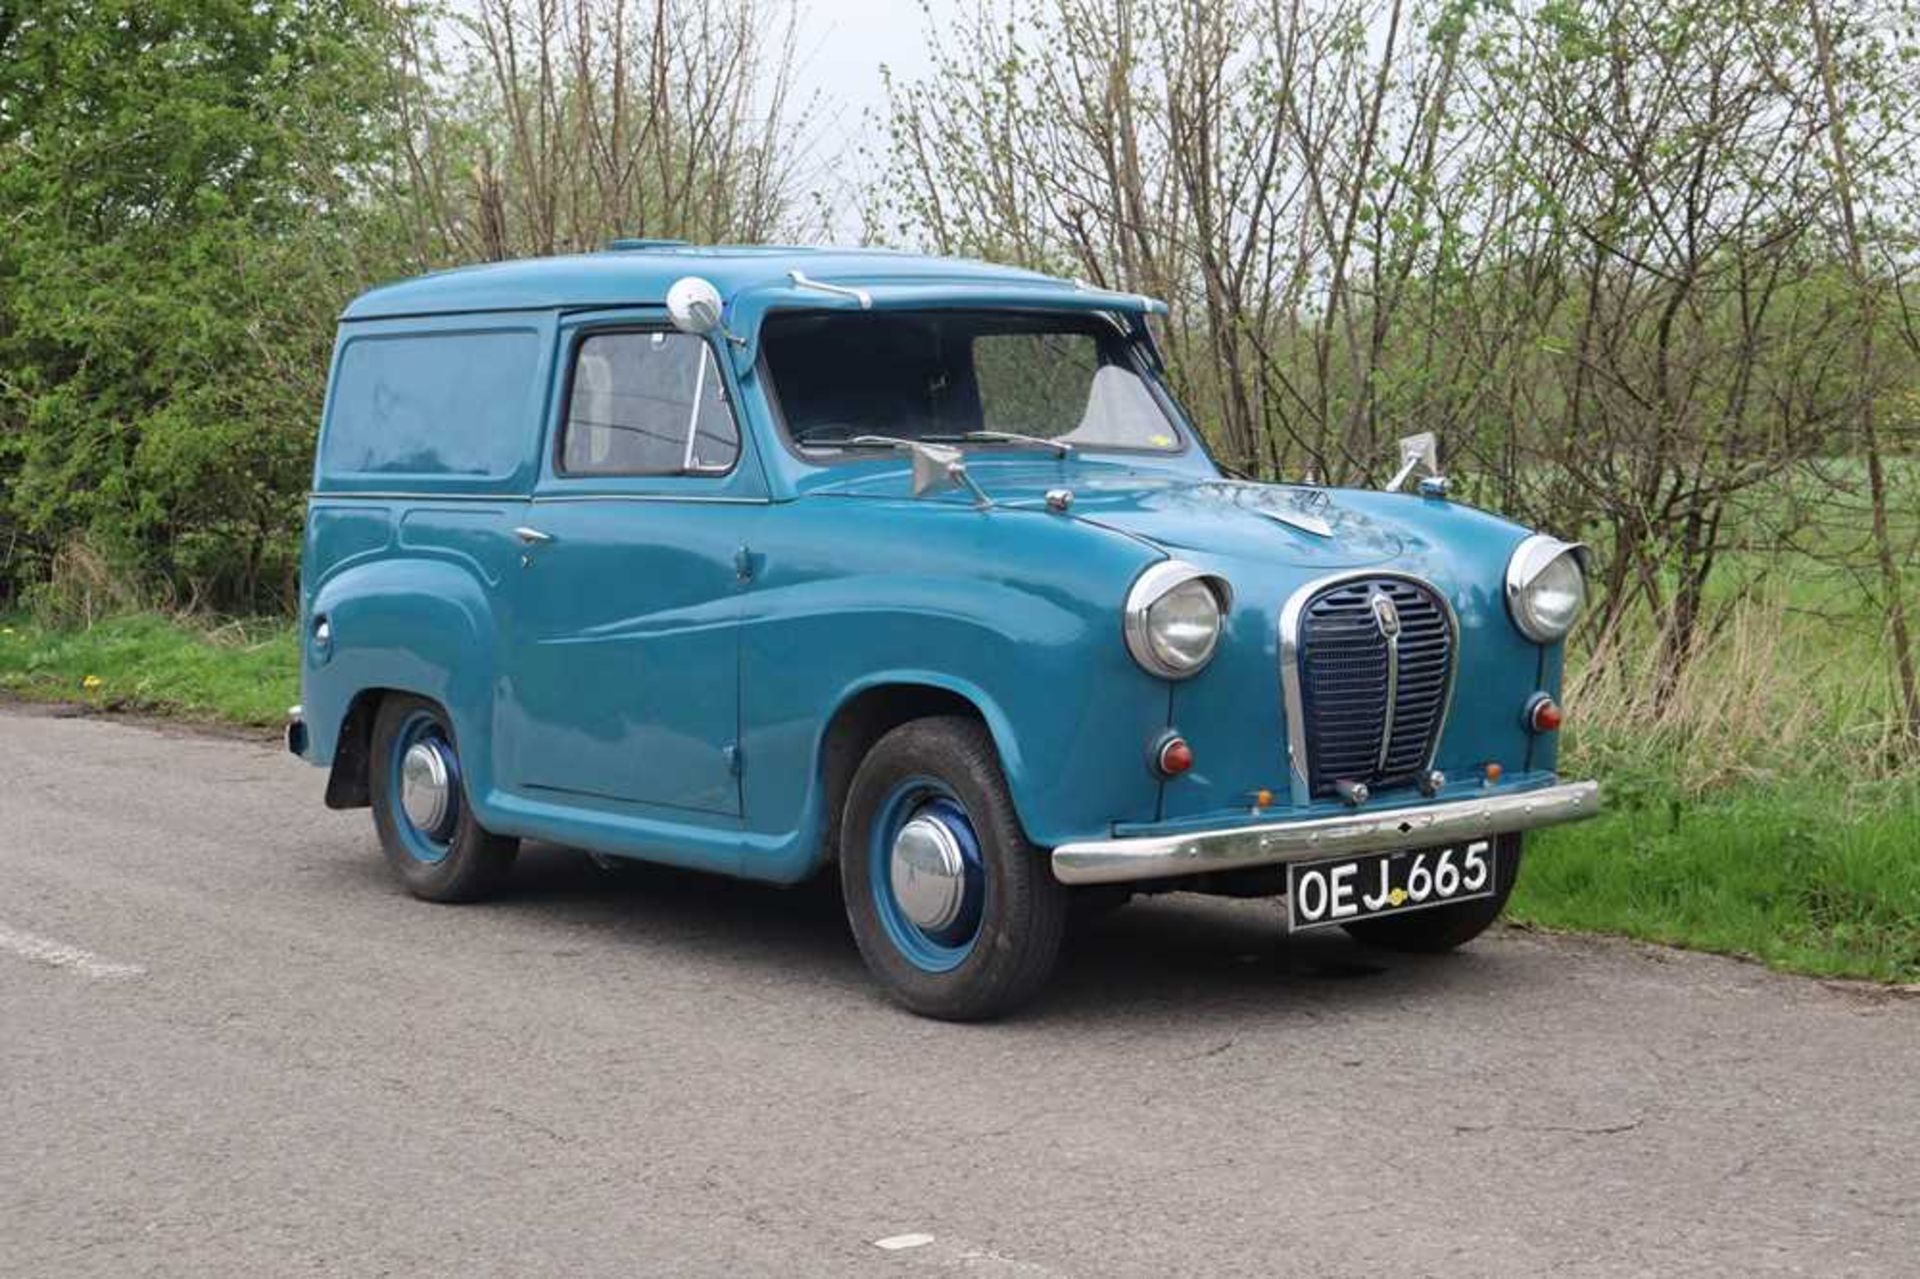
(1119, 861)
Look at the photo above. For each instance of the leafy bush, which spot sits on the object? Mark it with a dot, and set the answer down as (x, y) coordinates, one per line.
(186, 186)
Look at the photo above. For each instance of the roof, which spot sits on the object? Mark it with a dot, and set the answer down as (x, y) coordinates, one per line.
(642, 274)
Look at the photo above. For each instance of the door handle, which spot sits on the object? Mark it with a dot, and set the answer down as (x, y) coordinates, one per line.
(532, 536)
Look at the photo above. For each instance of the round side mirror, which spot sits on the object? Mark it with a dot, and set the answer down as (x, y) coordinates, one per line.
(694, 305)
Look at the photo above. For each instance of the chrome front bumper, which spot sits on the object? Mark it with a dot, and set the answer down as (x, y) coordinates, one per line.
(1118, 861)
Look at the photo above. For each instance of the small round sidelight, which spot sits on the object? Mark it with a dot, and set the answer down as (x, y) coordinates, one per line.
(1544, 714)
(1173, 756)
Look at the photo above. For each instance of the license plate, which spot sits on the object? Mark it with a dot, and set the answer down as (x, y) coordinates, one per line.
(1340, 890)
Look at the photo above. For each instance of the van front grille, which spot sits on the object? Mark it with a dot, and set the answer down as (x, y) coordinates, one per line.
(1374, 678)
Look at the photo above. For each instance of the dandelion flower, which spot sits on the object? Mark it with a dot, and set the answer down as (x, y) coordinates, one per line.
(91, 682)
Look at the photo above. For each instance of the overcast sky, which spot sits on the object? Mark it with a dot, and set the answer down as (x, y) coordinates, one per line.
(843, 44)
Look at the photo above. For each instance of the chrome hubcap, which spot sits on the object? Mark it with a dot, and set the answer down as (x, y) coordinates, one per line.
(928, 873)
(426, 791)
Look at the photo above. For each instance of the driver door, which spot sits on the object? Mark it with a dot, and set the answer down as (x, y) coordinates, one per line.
(626, 616)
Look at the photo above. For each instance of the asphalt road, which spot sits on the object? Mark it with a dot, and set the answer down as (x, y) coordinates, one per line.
(229, 1044)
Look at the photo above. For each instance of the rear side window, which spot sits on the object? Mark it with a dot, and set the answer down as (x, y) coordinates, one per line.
(647, 404)
(433, 404)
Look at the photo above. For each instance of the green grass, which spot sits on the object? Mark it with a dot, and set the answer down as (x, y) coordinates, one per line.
(1800, 876)
(236, 673)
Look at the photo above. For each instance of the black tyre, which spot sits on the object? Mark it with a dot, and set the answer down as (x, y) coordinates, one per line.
(420, 807)
(1441, 928)
(953, 910)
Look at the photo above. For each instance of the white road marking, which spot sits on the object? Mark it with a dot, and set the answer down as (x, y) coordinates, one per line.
(54, 954)
(894, 1243)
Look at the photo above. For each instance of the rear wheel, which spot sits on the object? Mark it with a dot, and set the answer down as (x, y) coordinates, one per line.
(1441, 928)
(953, 910)
(427, 827)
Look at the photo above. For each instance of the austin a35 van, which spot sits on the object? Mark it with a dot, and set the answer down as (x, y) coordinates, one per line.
(770, 562)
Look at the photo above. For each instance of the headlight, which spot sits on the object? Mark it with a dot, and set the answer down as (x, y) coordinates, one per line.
(1546, 587)
(1173, 618)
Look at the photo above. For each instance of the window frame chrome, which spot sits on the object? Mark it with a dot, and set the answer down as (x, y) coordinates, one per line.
(1299, 763)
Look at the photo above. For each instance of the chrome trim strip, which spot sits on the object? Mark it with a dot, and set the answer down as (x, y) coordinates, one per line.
(1299, 775)
(1119, 861)
(1393, 693)
(397, 496)
(706, 498)
(497, 499)
(802, 281)
(1302, 520)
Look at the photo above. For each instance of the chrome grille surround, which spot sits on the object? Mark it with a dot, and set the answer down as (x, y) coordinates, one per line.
(1363, 706)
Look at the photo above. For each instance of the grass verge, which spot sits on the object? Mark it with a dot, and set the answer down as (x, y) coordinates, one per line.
(236, 672)
(1802, 877)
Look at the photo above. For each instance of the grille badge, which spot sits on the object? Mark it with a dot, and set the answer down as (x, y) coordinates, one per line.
(1386, 616)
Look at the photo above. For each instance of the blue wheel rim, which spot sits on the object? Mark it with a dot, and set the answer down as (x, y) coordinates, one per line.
(941, 949)
(429, 847)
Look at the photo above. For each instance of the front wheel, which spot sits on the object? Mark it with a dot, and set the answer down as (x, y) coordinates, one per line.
(1441, 928)
(427, 827)
(953, 910)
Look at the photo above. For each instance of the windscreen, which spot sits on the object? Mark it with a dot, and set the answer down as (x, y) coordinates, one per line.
(960, 377)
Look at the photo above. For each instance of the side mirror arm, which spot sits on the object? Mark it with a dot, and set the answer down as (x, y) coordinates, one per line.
(1417, 453)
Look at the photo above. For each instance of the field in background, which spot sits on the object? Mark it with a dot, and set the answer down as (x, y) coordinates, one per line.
(1762, 813)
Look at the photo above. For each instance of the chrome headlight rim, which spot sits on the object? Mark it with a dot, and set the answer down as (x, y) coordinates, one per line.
(1152, 586)
(1528, 564)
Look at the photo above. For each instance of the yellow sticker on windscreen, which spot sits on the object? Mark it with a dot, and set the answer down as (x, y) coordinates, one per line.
(1160, 441)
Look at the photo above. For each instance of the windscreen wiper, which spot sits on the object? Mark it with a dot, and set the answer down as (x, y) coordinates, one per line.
(899, 441)
(807, 440)
(1061, 447)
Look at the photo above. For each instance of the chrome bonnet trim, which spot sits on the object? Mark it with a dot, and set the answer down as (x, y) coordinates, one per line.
(1118, 861)
(1299, 774)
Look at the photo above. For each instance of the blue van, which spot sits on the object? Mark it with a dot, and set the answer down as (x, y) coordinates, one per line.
(766, 561)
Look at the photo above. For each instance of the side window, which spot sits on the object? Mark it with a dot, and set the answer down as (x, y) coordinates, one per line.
(647, 404)
(453, 404)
